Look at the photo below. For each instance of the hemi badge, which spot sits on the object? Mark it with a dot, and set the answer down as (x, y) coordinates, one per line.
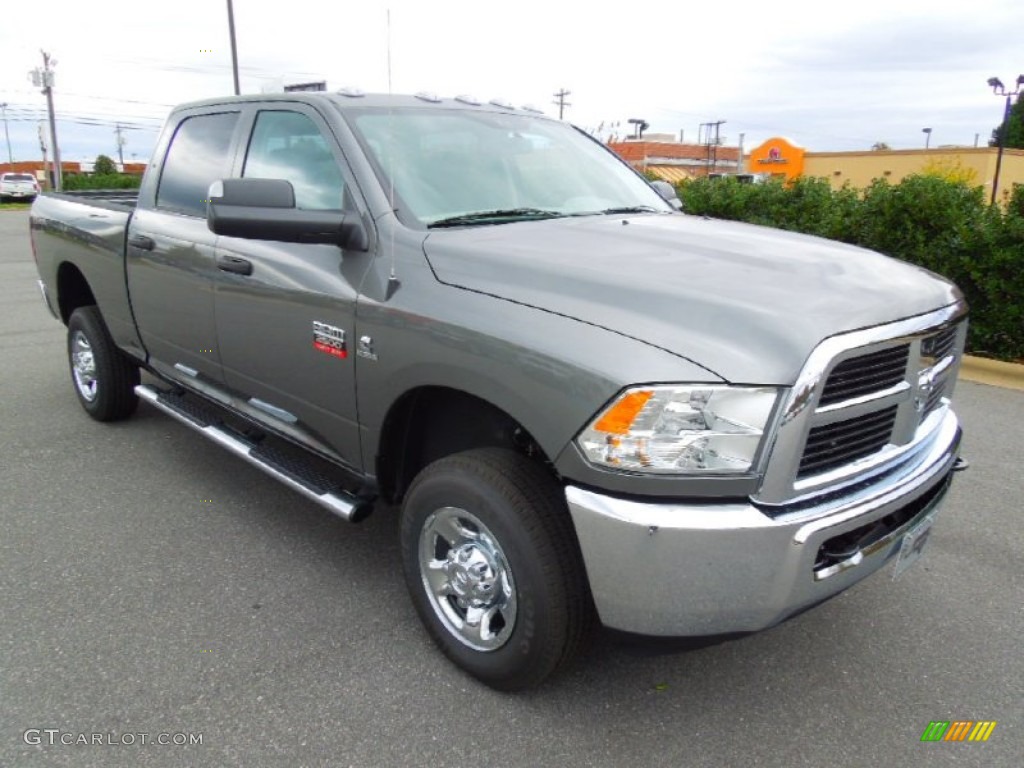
(329, 339)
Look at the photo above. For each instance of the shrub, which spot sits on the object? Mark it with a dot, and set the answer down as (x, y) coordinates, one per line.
(104, 166)
(937, 221)
(73, 181)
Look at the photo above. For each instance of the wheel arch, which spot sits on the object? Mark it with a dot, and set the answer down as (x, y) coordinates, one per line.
(73, 290)
(427, 423)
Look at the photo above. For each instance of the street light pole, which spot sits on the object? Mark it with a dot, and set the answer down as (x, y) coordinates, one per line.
(1000, 90)
(7, 135)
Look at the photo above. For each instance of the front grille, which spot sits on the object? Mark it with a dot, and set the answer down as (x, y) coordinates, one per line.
(875, 396)
(865, 374)
(833, 445)
(940, 345)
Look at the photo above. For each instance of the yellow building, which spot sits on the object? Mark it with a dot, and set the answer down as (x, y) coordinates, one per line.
(975, 165)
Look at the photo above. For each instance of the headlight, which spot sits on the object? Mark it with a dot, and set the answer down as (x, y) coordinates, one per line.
(680, 429)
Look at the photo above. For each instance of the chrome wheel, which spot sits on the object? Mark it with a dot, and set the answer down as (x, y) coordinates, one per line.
(83, 366)
(467, 579)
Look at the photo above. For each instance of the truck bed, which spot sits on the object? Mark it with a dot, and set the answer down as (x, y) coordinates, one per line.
(118, 199)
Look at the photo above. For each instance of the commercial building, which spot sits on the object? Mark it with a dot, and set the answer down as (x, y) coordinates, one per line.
(975, 165)
(35, 167)
(675, 161)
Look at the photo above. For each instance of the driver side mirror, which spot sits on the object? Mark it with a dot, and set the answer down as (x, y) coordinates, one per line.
(668, 193)
(264, 209)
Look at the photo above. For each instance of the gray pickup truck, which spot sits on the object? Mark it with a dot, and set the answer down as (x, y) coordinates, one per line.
(587, 405)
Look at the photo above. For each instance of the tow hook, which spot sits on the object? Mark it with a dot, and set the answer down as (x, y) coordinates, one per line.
(961, 464)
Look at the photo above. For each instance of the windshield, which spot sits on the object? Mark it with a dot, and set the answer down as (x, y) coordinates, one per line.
(17, 177)
(454, 167)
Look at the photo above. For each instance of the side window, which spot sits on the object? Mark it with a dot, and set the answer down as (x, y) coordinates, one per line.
(288, 145)
(197, 157)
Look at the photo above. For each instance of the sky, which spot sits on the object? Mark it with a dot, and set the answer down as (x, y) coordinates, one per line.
(827, 75)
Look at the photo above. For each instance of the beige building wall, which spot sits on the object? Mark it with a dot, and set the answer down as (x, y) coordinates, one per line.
(861, 168)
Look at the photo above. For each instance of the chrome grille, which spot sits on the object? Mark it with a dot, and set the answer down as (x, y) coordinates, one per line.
(833, 445)
(940, 345)
(865, 374)
(862, 404)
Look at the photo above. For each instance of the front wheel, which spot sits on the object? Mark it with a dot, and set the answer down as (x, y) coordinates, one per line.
(493, 568)
(104, 378)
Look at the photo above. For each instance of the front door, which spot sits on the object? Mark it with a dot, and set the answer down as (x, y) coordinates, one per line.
(286, 322)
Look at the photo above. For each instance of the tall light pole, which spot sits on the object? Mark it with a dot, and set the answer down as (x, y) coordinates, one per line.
(234, 48)
(10, 157)
(927, 136)
(1000, 90)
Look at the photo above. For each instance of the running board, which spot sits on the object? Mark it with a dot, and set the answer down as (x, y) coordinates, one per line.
(346, 505)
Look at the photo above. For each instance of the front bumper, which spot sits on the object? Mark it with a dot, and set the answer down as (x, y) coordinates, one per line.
(684, 569)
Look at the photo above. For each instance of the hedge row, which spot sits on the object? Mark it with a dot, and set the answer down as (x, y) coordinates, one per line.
(74, 181)
(940, 224)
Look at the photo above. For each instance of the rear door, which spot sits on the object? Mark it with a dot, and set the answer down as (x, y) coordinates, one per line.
(170, 252)
(286, 321)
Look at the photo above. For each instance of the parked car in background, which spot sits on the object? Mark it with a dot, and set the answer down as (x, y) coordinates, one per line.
(18, 186)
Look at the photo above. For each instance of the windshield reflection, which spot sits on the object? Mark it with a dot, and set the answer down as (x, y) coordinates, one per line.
(452, 163)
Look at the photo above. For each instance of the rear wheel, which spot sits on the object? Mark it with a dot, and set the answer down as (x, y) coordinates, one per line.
(104, 378)
(493, 568)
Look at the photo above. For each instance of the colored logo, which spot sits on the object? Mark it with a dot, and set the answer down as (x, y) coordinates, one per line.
(329, 339)
(958, 730)
(774, 157)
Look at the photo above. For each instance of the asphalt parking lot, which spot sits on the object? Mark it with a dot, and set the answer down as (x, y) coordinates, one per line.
(151, 583)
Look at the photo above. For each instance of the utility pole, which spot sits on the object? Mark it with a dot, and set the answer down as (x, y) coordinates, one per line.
(234, 48)
(739, 158)
(710, 144)
(10, 157)
(44, 78)
(561, 102)
(120, 146)
(42, 147)
(718, 140)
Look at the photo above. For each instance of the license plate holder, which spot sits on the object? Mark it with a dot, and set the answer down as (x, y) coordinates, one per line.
(913, 543)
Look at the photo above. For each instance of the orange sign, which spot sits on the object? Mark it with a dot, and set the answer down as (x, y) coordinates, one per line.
(777, 157)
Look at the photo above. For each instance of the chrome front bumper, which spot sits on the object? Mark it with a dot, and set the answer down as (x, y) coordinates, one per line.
(672, 569)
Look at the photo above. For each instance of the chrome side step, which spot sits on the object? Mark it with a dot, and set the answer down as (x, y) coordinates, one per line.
(342, 503)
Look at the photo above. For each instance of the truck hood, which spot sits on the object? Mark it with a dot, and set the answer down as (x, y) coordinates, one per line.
(748, 303)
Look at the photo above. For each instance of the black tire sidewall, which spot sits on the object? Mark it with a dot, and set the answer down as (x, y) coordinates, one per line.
(115, 377)
(538, 637)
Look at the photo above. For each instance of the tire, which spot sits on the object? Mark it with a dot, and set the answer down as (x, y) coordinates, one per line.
(486, 536)
(103, 377)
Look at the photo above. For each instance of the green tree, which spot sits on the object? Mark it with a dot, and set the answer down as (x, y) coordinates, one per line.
(104, 166)
(1014, 130)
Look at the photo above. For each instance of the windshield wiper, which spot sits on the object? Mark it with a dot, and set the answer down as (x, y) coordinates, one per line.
(500, 216)
(632, 209)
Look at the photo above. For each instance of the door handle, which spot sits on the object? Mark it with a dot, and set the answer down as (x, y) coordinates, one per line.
(141, 241)
(234, 264)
